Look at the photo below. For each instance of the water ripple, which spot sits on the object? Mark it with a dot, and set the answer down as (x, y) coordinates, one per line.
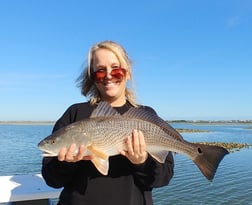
(231, 185)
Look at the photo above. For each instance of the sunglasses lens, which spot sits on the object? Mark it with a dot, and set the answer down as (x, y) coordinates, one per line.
(100, 75)
(118, 74)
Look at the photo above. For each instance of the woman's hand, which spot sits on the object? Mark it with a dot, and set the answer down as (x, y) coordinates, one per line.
(69, 154)
(135, 148)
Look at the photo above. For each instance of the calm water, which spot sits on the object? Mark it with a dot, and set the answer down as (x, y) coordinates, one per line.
(232, 183)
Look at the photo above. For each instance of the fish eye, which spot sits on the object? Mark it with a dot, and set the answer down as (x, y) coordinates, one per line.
(53, 142)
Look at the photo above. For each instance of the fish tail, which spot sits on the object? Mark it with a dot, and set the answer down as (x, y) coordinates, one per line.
(208, 159)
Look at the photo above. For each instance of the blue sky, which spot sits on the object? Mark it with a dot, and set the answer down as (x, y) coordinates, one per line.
(192, 59)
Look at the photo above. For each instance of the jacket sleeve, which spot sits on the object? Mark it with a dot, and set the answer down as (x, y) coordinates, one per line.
(152, 174)
(56, 173)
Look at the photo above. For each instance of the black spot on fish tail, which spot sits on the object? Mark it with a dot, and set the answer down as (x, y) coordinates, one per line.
(199, 150)
(208, 159)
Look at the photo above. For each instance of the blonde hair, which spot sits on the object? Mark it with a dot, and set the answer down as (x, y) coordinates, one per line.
(85, 81)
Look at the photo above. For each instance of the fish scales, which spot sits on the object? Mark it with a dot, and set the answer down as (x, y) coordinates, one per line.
(115, 129)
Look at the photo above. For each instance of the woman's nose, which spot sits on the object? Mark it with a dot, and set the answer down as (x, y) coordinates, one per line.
(108, 73)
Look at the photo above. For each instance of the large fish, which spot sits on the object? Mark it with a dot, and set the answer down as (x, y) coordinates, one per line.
(105, 131)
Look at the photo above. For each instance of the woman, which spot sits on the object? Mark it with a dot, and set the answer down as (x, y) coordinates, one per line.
(133, 174)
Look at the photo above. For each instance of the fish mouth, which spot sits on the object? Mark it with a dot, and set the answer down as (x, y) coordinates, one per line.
(46, 153)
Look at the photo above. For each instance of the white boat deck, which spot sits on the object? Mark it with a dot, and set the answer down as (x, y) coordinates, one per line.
(20, 188)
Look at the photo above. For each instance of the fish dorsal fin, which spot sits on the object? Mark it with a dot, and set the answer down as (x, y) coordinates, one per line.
(152, 117)
(104, 109)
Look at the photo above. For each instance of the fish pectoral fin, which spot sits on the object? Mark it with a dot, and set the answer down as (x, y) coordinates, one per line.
(97, 152)
(100, 159)
(160, 156)
(101, 165)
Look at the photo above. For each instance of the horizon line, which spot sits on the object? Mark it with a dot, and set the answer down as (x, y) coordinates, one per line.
(34, 122)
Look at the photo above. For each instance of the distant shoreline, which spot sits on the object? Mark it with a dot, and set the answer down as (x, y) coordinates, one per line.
(211, 121)
(26, 122)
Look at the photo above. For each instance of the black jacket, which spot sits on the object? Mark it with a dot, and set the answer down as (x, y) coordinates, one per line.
(125, 183)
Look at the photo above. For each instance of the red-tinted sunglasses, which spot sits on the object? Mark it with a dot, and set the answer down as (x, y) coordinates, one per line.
(116, 73)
